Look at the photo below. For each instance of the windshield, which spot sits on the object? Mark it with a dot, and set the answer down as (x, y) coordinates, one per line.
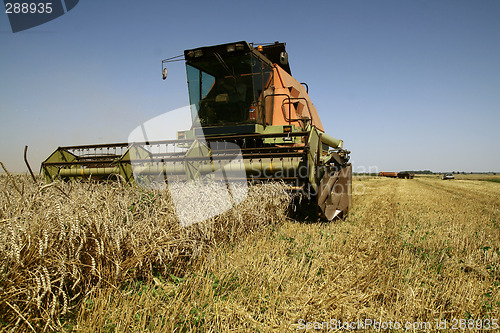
(223, 89)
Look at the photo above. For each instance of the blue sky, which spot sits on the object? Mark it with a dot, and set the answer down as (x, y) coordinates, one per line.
(407, 85)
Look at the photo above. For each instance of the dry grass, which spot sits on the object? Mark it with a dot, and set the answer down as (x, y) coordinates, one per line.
(467, 176)
(481, 177)
(412, 251)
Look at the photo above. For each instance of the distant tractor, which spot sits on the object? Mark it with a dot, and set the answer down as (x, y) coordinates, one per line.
(404, 174)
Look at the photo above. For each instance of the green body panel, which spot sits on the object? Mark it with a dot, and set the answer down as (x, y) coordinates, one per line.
(243, 129)
(49, 171)
(200, 153)
(313, 155)
(134, 153)
(267, 166)
(332, 142)
(88, 172)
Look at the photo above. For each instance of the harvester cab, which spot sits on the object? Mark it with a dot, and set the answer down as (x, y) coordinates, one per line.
(240, 96)
(237, 84)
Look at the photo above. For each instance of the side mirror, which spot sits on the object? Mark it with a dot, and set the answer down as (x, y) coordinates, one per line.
(284, 58)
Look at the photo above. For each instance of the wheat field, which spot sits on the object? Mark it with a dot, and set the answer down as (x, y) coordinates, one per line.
(87, 257)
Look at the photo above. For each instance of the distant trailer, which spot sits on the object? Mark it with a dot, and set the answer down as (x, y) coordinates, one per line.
(406, 175)
(388, 174)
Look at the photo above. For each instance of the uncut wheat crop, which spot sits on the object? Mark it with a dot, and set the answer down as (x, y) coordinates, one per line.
(61, 242)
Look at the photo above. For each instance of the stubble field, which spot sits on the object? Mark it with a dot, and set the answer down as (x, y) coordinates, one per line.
(113, 258)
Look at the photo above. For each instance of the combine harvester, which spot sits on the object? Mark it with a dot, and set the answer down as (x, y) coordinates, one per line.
(241, 96)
